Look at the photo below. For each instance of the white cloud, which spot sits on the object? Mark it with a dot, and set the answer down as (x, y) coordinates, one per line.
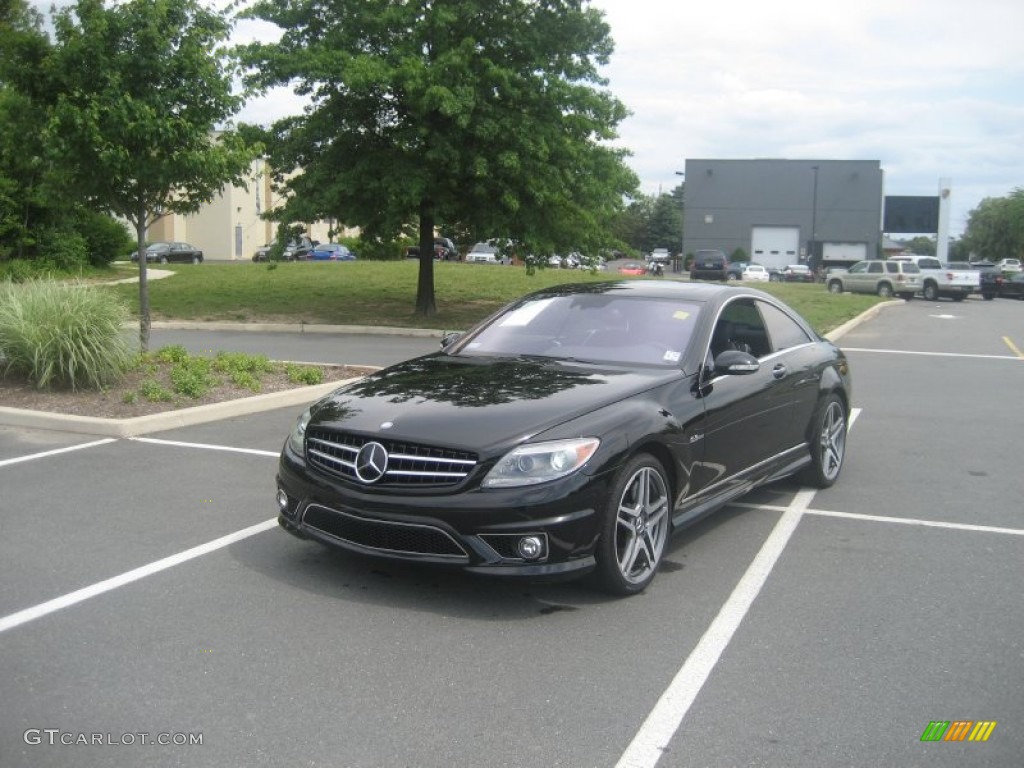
(930, 88)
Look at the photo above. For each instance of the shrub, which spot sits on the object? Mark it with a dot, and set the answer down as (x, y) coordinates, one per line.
(192, 377)
(60, 334)
(155, 392)
(173, 353)
(303, 374)
(106, 238)
(19, 270)
(65, 250)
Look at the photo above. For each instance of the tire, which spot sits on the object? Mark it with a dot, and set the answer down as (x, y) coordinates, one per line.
(931, 292)
(835, 287)
(163, 259)
(827, 437)
(196, 260)
(885, 290)
(635, 531)
(776, 279)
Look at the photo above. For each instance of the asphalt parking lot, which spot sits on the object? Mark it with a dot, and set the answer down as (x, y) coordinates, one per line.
(146, 596)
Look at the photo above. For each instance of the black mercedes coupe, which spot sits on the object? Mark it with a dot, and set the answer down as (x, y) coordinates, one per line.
(571, 432)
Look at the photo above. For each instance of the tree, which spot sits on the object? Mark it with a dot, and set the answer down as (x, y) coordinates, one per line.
(666, 225)
(23, 49)
(995, 229)
(485, 113)
(922, 245)
(141, 87)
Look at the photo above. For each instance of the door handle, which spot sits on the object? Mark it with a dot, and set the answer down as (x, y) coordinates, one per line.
(779, 371)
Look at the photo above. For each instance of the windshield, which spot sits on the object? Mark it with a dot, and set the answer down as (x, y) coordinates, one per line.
(590, 327)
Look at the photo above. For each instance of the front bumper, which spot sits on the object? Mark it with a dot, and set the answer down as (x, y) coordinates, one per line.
(534, 531)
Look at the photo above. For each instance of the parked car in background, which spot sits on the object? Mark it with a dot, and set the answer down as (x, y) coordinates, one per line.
(736, 269)
(661, 256)
(166, 253)
(792, 273)
(755, 273)
(586, 424)
(1008, 265)
(444, 250)
(883, 278)
(709, 264)
(331, 252)
(483, 253)
(996, 284)
(633, 269)
(940, 280)
(296, 250)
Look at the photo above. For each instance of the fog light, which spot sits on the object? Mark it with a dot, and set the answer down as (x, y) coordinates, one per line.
(282, 500)
(530, 547)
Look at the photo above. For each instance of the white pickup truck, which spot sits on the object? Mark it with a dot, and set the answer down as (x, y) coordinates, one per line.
(938, 280)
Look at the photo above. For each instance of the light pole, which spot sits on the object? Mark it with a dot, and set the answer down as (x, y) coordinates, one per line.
(814, 220)
(682, 223)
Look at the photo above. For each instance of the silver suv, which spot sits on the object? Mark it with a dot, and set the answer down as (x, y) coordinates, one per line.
(885, 278)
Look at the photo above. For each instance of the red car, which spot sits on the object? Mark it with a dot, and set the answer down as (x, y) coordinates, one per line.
(632, 268)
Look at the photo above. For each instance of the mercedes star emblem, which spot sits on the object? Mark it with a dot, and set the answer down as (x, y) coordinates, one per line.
(371, 462)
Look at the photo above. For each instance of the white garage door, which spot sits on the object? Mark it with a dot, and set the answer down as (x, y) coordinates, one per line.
(844, 251)
(775, 246)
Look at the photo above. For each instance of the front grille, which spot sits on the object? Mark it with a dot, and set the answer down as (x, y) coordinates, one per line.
(383, 535)
(408, 464)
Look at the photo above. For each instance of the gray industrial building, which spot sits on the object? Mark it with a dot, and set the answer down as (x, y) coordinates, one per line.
(785, 211)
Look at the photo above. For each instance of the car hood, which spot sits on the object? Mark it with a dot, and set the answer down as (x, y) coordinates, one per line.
(478, 404)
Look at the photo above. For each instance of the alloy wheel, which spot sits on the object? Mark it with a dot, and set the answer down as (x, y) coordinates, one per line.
(641, 525)
(832, 442)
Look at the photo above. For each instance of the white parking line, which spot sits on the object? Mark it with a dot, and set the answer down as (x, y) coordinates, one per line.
(661, 724)
(664, 720)
(931, 354)
(72, 598)
(56, 451)
(206, 446)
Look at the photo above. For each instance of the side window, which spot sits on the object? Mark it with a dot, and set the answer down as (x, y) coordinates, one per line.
(740, 327)
(875, 267)
(856, 269)
(783, 331)
(892, 267)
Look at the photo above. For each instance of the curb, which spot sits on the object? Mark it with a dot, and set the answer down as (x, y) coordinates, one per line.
(867, 314)
(378, 330)
(157, 422)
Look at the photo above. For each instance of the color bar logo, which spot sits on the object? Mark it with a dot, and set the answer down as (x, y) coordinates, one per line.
(958, 730)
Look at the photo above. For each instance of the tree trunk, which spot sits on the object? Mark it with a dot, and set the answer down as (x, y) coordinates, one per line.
(144, 321)
(425, 304)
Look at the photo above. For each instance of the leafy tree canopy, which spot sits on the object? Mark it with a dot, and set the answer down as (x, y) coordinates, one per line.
(995, 229)
(141, 87)
(489, 116)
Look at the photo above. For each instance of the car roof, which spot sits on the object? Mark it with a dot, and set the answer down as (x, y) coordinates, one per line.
(656, 289)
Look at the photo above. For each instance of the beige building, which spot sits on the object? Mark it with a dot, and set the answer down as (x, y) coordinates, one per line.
(230, 226)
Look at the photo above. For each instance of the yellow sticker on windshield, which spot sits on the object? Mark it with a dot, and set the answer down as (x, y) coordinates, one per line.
(680, 315)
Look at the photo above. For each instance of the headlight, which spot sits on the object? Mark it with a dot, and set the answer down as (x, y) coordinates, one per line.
(297, 437)
(541, 462)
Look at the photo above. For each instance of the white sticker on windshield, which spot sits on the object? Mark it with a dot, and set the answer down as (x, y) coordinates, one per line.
(671, 356)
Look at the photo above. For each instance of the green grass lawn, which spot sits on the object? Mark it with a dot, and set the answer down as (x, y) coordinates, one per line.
(384, 293)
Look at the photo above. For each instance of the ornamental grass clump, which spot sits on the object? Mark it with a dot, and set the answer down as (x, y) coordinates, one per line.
(64, 335)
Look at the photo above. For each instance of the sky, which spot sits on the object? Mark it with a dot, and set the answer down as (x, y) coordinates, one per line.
(932, 89)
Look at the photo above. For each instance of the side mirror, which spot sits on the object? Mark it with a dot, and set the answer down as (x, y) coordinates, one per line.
(450, 338)
(733, 362)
